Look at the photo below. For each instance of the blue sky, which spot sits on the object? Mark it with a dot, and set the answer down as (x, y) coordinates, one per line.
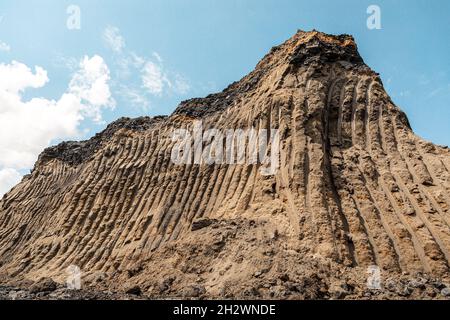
(199, 47)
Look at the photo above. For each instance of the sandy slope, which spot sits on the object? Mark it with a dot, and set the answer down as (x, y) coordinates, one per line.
(356, 188)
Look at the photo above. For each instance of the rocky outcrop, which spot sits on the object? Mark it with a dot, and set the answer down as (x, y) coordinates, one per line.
(356, 190)
(75, 153)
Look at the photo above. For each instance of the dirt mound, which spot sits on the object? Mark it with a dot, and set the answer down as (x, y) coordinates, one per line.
(356, 192)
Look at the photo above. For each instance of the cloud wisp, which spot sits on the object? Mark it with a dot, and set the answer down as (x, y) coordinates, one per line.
(4, 47)
(155, 79)
(113, 39)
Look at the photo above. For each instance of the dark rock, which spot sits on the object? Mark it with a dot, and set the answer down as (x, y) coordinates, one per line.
(438, 284)
(202, 223)
(284, 277)
(430, 292)
(75, 153)
(194, 291)
(166, 284)
(291, 286)
(318, 51)
(405, 291)
(43, 285)
(340, 290)
(251, 292)
(390, 285)
(135, 290)
(416, 284)
(445, 292)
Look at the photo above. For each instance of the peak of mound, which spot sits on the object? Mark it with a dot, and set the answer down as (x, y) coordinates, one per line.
(304, 49)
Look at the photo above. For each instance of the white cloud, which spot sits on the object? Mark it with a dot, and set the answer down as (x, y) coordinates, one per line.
(136, 60)
(8, 179)
(90, 83)
(435, 92)
(128, 64)
(158, 57)
(61, 61)
(16, 77)
(4, 47)
(405, 93)
(182, 85)
(27, 127)
(156, 79)
(135, 97)
(153, 78)
(113, 39)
